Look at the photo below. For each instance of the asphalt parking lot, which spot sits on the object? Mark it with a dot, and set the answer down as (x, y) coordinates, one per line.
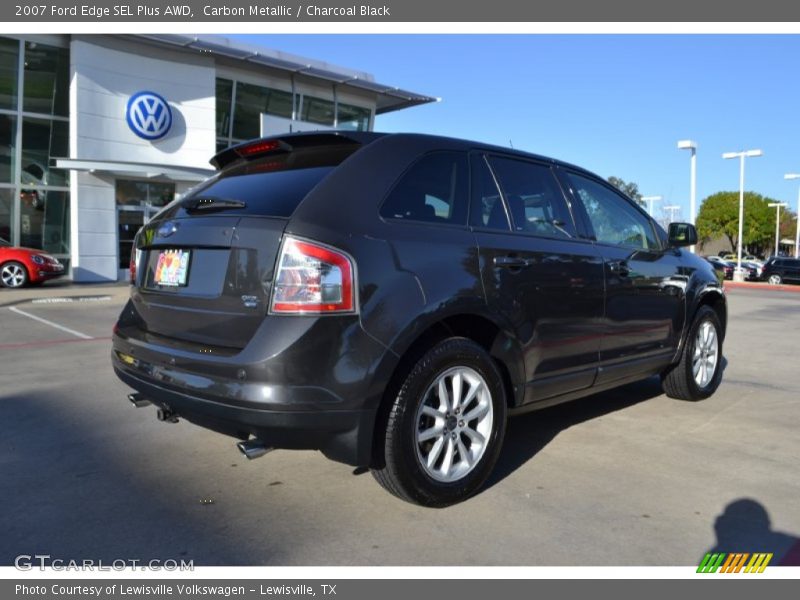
(628, 477)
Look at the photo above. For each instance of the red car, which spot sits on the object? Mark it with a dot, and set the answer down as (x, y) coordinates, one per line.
(21, 266)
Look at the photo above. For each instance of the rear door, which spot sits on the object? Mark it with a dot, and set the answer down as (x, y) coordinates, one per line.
(645, 282)
(206, 262)
(544, 281)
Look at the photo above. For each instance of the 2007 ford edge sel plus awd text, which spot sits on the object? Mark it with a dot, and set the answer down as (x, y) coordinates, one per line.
(389, 299)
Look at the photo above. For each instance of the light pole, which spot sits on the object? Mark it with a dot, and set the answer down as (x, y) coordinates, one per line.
(777, 205)
(650, 200)
(738, 275)
(797, 233)
(672, 208)
(691, 145)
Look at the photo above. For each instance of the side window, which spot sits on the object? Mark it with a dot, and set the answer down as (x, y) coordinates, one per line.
(433, 190)
(488, 210)
(613, 218)
(534, 199)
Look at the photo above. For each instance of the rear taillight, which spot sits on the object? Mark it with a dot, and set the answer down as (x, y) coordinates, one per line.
(312, 278)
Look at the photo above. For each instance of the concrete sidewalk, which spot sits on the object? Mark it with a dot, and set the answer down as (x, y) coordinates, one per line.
(53, 291)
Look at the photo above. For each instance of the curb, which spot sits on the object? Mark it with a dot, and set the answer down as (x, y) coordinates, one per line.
(761, 286)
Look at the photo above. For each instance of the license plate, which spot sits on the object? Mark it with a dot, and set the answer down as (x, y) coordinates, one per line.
(172, 268)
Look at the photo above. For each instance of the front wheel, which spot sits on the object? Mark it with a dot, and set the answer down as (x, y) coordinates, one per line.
(699, 372)
(774, 279)
(445, 427)
(13, 275)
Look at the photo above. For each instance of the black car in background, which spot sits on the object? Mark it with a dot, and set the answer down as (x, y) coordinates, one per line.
(391, 299)
(724, 267)
(778, 270)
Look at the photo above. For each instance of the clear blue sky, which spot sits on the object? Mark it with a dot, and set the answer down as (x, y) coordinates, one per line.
(615, 104)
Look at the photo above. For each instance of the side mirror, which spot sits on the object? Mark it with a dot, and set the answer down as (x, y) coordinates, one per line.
(682, 234)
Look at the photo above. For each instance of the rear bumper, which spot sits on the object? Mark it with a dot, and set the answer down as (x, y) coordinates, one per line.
(342, 435)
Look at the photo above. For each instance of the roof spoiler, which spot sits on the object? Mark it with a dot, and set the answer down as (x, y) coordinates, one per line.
(287, 143)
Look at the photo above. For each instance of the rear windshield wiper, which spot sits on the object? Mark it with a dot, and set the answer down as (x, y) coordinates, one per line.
(211, 203)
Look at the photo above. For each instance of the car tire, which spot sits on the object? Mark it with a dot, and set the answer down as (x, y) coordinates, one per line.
(690, 379)
(774, 279)
(427, 430)
(13, 274)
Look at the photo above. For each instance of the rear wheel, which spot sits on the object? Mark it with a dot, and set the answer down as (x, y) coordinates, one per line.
(774, 279)
(13, 275)
(445, 427)
(699, 372)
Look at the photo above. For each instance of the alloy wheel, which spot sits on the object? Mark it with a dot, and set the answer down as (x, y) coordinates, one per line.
(12, 276)
(454, 423)
(706, 354)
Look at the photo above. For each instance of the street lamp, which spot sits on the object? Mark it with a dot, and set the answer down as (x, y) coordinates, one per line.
(650, 200)
(797, 233)
(672, 208)
(691, 145)
(738, 275)
(777, 205)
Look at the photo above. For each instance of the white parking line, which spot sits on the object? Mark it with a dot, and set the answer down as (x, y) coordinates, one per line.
(46, 322)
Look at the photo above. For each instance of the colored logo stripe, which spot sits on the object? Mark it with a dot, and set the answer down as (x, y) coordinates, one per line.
(734, 562)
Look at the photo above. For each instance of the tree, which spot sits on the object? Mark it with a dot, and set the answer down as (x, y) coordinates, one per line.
(719, 215)
(630, 189)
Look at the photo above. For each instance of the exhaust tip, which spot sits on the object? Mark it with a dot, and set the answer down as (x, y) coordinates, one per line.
(138, 400)
(167, 415)
(253, 449)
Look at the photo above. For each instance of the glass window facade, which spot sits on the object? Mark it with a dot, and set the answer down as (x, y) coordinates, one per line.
(6, 213)
(317, 110)
(251, 101)
(132, 192)
(224, 100)
(46, 81)
(353, 118)
(34, 129)
(9, 66)
(8, 143)
(43, 139)
(240, 106)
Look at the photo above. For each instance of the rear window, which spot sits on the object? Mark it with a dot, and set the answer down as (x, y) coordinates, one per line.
(271, 186)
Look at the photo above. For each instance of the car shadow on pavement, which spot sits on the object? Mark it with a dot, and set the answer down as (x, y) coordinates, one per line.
(528, 434)
(77, 491)
(745, 526)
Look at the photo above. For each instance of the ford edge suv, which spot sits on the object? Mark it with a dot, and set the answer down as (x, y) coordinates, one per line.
(390, 299)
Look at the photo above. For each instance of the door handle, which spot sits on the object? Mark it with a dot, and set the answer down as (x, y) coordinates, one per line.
(619, 267)
(510, 262)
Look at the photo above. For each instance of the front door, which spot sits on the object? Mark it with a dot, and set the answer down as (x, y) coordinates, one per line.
(645, 283)
(137, 203)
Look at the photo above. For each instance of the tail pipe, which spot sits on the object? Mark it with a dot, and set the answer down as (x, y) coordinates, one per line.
(138, 400)
(253, 449)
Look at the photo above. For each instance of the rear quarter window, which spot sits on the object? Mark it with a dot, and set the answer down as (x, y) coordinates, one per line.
(432, 190)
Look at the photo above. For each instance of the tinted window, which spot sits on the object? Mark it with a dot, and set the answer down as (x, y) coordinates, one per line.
(533, 197)
(614, 220)
(272, 186)
(488, 209)
(434, 189)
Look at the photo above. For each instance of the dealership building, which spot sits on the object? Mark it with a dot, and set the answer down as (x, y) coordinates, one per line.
(97, 132)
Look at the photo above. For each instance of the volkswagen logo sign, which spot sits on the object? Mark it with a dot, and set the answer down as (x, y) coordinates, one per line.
(148, 115)
(167, 229)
